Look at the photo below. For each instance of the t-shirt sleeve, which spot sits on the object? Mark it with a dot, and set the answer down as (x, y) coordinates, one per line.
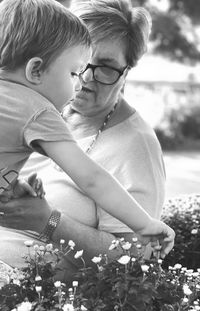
(48, 125)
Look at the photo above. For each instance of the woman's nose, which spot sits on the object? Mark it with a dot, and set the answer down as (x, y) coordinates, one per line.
(77, 84)
(87, 76)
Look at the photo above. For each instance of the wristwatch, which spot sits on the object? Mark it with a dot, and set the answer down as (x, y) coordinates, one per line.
(53, 221)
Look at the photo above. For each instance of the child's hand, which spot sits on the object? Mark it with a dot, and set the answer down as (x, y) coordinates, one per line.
(32, 186)
(36, 185)
(157, 231)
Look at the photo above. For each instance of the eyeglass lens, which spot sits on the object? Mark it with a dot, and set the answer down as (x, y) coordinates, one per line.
(103, 74)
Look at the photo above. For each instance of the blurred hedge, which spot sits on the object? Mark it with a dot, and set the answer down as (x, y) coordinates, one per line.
(183, 215)
(179, 126)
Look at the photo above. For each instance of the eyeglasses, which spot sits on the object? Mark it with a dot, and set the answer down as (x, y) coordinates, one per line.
(103, 74)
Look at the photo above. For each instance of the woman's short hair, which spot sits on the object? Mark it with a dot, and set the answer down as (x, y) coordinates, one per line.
(42, 28)
(116, 19)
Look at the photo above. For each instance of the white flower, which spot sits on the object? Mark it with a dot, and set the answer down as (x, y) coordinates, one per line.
(126, 246)
(28, 243)
(133, 259)
(41, 248)
(57, 284)
(124, 259)
(177, 266)
(49, 247)
(144, 268)
(71, 243)
(16, 282)
(194, 231)
(183, 269)
(96, 259)
(38, 278)
(139, 246)
(75, 283)
(114, 245)
(78, 254)
(100, 268)
(196, 303)
(134, 239)
(195, 274)
(68, 307)
(186, 290)
(25, 306)
(62, 241)
(185, 299)
(36, 247)
(160, 261)
(38, 289)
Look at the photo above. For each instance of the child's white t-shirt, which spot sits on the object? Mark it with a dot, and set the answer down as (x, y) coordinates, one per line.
(25, 117)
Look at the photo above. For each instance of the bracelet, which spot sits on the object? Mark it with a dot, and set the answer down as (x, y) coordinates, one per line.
(53, 221)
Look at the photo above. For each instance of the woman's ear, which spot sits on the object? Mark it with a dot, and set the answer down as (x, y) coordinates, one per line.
(33, 70)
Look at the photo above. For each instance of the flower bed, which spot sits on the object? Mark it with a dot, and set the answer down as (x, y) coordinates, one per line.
(125, 284)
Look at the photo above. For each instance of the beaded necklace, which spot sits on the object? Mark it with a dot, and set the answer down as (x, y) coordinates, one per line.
(101, 129)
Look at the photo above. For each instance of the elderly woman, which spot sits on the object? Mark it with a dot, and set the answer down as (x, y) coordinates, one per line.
(109, 130)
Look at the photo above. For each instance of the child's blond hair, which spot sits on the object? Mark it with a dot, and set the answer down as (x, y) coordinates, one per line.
(42, 28)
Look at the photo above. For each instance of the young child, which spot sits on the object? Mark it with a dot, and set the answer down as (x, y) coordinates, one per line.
(43, 48)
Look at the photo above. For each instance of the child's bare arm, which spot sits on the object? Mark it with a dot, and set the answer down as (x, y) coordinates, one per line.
(97, 183)
(105, 190)
(160, 235)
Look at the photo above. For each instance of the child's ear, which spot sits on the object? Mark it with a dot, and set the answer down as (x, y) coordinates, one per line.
(33, 70)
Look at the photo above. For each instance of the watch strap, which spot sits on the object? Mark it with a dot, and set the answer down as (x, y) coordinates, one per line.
(53, 222)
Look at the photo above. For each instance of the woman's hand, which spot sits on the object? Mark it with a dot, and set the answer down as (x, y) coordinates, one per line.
(25, 214)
